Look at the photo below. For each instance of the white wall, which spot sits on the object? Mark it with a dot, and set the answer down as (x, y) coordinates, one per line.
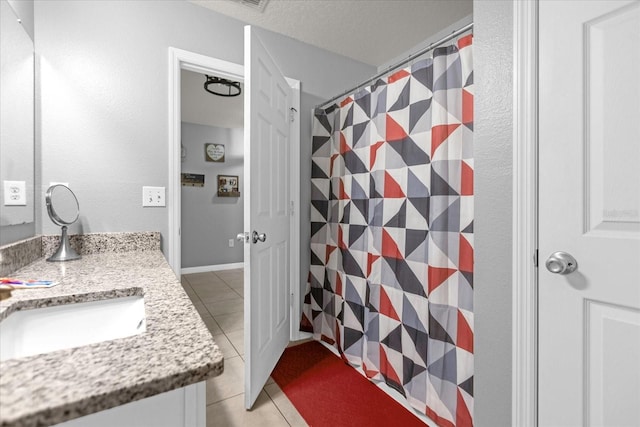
(24, 10)
(493, 63)
(209, 221)
(104, 99)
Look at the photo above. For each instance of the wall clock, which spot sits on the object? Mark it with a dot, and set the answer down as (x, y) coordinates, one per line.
(214, 152)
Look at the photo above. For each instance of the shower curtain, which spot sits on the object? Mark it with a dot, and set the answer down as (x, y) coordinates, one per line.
(391, 275)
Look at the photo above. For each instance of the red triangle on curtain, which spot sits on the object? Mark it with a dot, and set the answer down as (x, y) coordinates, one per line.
(439, 134)
(346, 101)
(466, 185)
(386, 306)
(392, 189)
(465, 255)
(397, 76)
(465, 41)
(344, 147)
(467, 107)
(329, 251)
(442, 422)
(341, 244)
(389, 246)
(343, 194)
(464, 338)
(373, 153)
(395, 132)
(338, 284)
(437, 276)
(386, 368)
(463, 417)
(371, 258)
(368, 372)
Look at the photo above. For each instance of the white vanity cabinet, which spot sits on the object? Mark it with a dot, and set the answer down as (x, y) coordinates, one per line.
(182, 407)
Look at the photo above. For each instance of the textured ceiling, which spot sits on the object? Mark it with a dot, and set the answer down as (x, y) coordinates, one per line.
(370, 31)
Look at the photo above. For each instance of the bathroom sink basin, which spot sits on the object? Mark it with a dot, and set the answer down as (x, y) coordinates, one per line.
(42, 330)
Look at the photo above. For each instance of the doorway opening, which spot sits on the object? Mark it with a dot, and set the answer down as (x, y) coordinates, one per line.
(212, 160)
(180, 62)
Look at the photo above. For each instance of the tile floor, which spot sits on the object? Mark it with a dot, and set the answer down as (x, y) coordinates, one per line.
(218, 297)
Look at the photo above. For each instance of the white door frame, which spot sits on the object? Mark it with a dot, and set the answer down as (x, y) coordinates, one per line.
(184, 60)
(525, 215)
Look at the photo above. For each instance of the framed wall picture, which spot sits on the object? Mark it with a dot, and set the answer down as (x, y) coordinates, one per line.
(214, 152)
(228, 186)
(192, 180)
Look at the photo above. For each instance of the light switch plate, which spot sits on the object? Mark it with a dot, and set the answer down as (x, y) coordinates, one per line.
(15, 193)
(153, 196)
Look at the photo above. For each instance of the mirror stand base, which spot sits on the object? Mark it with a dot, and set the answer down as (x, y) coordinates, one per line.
(64, 252)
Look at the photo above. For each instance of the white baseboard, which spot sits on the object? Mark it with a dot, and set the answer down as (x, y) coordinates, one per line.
(207, 268)
(394, 394)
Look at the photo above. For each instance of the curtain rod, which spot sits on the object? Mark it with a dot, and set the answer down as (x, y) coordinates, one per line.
(432, 46)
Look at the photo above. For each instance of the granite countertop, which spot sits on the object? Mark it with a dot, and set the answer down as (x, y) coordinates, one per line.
(176, 350)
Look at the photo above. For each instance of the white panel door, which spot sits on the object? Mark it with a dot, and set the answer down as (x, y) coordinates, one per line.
(266, 213)
(589, 195)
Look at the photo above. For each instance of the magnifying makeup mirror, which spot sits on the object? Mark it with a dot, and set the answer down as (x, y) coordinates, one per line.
(64, 210)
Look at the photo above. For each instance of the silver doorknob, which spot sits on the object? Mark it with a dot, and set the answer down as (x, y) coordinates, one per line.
(242, 237)
(561, 263)
(255, 236)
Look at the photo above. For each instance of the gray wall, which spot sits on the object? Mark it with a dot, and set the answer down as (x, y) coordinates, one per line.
(12, 233)
(104, 107)
(104, 129)
(209, 221)
(493, 75)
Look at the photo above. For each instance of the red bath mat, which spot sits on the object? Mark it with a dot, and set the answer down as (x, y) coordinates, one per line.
(328, 392)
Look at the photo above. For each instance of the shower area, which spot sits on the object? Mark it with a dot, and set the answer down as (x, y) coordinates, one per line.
(390, 285)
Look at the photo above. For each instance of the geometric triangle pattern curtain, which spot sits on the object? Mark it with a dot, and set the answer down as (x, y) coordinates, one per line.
(391, 275)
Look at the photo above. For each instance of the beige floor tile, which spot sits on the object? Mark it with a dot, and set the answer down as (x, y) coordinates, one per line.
(199, 276)
(230, 322)
(212, 291)
(200, 308)
(209, 286)
(191, 293)
(230, 383)
(235, 283)
(239, 291)
(222, 295)
(204, 281)
(212, 325)
(225, 346)
(285, 406)
(231, 413)
(235, 305)
(226, 274)
(237, 340)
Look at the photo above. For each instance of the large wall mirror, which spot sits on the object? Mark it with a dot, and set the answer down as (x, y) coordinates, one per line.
(17, 146)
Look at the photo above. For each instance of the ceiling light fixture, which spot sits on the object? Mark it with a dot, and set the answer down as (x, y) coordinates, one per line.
(222, 87)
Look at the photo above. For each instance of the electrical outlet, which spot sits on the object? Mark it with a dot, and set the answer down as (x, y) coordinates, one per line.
(231, 243)
(15, 193)
(153, 196)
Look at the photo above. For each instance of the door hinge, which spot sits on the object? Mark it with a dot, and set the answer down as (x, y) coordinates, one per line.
(291, 114)
(292, 208)
(291, 300)
(535, 258)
